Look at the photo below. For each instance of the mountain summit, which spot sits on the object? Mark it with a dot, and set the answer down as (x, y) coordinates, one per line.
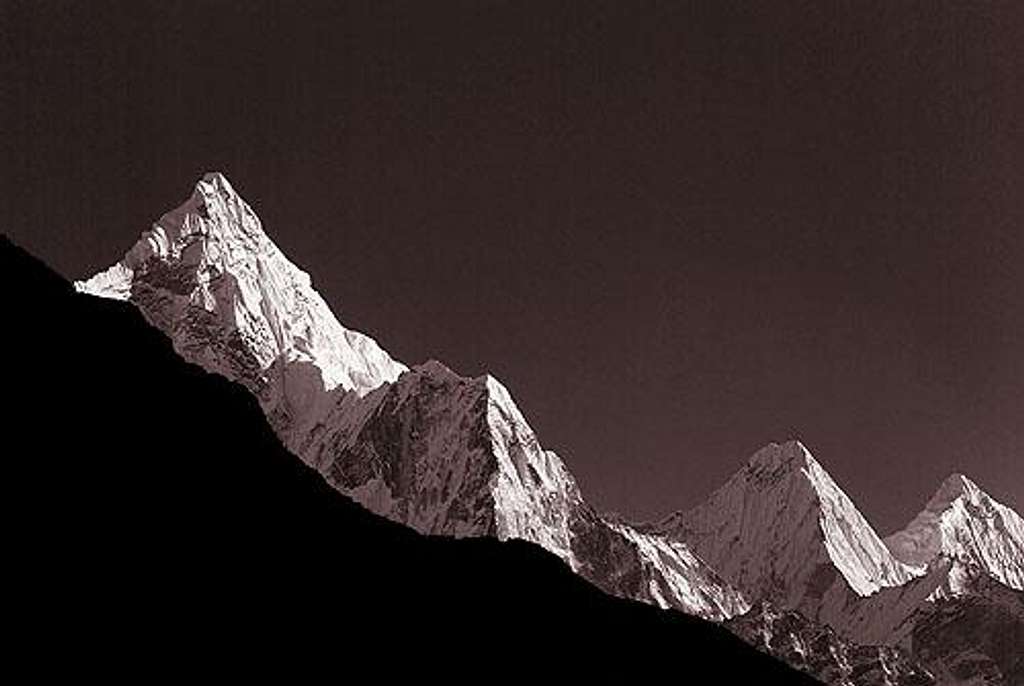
(782, 530)
(209, 277)
(966, 528)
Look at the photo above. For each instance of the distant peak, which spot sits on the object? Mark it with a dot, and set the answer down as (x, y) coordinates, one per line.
(965, 525)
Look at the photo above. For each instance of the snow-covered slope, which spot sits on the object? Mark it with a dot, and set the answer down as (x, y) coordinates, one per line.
(966, 526)
(442, 453)
(782, 530)
(208, 276)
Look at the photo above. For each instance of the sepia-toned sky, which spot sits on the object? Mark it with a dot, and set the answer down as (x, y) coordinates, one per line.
(676, 231)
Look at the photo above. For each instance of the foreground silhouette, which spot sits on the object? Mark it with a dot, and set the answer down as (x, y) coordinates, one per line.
(158, 524)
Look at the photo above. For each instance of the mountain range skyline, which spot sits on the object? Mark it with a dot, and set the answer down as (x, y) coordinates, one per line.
(1008, 490)
(455, 456)
(677, 231)
(643, 337)
(118, 283)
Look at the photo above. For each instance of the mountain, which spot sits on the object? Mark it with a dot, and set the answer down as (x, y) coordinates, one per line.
(970, 637)
(781, 530)
(964, 618)
(426, 447)
(965, 526)
(825, 587)
(208, 276)
(157, 523)
(969, 547)
(779, 553)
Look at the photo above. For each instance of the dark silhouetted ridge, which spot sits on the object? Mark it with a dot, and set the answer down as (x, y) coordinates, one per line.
(158, 525)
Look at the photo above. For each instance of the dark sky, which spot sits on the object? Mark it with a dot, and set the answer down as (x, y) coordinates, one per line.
(676, 231)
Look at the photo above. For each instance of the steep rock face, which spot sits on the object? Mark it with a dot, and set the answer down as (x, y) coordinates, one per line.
(820, 651)
(448, 455)
(442, 453)
(782, 530)
(451, 455)
(965, 526)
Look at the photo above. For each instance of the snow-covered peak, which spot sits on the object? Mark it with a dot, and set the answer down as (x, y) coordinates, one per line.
(777, 461)
(207, 275)
(780, 454)
(214, 211)
(966, 526)
(781, 528)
